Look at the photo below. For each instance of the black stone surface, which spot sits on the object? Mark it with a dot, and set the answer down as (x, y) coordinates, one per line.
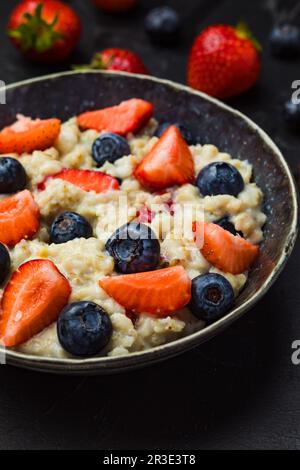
(238, 391)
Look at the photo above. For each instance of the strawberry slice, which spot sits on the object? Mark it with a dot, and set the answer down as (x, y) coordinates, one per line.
(227, 252)
(19, 218)
(168, 163)
(27, 135)
(129, 116)
(87, 180)
(32, 300)
(158, 292)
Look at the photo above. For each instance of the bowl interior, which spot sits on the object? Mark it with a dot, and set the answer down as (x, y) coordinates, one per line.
(66, 95)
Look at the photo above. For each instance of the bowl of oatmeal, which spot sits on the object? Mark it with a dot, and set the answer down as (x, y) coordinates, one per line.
(138, 218)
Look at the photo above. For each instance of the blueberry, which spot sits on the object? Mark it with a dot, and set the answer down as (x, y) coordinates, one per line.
(291, 115)
(285, 41)
(186, 134)
(4, 263)
(227, 225)
(83, 329)
(134, 248)
(12, 176)
(68, 226)
(220, 178)
(109, 148)
(162, 24)
(212, 297)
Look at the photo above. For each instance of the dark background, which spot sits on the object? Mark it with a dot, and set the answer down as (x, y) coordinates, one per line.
(238, 391)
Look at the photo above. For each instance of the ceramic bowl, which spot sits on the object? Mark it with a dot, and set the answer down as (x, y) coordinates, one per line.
(67, 94)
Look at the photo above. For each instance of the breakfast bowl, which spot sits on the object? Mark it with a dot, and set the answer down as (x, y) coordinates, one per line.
(71, 93)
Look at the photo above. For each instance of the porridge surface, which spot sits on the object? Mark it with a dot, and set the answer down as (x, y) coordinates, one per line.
(84, 261)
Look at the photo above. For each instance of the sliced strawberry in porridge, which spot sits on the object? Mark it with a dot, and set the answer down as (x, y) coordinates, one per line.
(168, 163)
(19, 218)
(129, 116)
(227, 252)
(32, 300)
(27, 135)
(87, 180)
(158, 292)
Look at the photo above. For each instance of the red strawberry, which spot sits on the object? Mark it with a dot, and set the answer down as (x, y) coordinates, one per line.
(168, 163)
(224, 61)
(44, 30)
(115, 6)
(88, 180)
(19, 218)
(227, 252)
(32, 300)
(129, 116)
(115, 59)
(158, 292)
(27, 135)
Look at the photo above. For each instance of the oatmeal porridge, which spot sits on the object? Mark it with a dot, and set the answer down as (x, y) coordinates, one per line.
(103, 243)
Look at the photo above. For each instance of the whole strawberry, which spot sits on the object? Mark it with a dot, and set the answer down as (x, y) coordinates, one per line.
(44, 30)
(116, 59)
(224, 61)
(115, 6)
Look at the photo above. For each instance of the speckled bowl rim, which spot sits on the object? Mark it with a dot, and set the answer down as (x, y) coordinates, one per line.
(109, 365)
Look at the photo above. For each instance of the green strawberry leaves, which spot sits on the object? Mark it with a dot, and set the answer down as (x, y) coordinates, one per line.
(35, 33)
(96, 64)
(243, 31)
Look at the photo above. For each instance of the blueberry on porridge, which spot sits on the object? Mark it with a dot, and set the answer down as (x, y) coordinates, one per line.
(118, 234)
(109, 148)
(134, 248)
(212, 296)
(68, 226)
(83, 328)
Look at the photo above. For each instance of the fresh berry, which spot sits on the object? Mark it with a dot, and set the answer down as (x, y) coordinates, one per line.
(12, 176)
(4, 263)
(116, 6)
(224, 61)
(212, 297)
(227, 225)
(186, 134)
(129, 116)
(83, 329)
(115, 59)
(32, 300)
(44, 30)
(229, 253)
(291, 115)
(134, 248)
(285, 41)
(87, 180)
(160, 292)
(220, 178)
(68, 226)
(19, 218)
(168, 163)
(27, 135)
(109, 148)
(162, 24)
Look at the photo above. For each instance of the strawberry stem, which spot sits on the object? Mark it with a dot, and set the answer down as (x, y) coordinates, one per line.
(35, 33)
(96, 64)
(243, 31)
